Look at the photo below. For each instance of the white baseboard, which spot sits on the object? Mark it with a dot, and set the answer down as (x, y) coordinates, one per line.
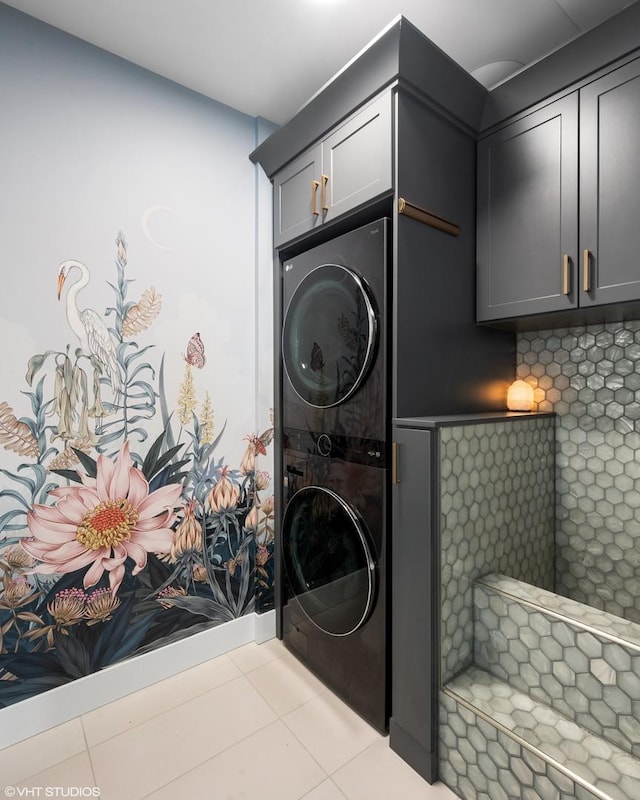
(264, 626)
(37, 714)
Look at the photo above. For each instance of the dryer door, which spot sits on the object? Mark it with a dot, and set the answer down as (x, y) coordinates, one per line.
(329, 336)
(328, 560)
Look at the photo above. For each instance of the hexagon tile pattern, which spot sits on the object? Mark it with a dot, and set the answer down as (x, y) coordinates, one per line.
(497, 515)
(480, 761)
(590, 377)
(562, 654)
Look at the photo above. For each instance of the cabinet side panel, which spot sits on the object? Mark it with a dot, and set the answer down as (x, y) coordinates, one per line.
(414, 652)
(444, 363)
(436, 162)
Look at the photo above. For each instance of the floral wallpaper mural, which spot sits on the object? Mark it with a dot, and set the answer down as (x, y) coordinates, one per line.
(115, 540)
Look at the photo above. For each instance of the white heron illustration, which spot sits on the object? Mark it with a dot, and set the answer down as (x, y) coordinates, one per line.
(88, 325)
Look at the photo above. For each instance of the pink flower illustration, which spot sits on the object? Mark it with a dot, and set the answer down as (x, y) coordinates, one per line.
(108, 519)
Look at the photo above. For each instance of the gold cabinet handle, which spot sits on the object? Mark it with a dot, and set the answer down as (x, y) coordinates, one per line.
(566, 264)
(325, 180)
(314, 192)
(394, 463)
(586, 272)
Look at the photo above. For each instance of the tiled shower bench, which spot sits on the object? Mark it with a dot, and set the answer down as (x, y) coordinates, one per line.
(550, 706)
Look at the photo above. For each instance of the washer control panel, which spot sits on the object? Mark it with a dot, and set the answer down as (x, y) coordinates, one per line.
(370, 452)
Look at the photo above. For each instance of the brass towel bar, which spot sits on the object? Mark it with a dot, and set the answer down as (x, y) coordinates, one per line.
(426, 217)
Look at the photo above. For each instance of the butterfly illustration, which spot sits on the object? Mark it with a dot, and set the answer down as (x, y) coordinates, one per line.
(260, 443)
(317, 358)
(195, 352)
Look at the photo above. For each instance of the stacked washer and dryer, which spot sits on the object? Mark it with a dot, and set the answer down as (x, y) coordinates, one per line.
(374, 235)
(335, 433)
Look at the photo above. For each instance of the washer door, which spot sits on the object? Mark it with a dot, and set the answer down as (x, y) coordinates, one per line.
(329, 336)
(328, 560)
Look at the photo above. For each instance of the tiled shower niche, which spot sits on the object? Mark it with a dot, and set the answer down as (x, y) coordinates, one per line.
(590, 377)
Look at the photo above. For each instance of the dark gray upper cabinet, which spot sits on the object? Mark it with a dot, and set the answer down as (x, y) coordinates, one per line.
(558, 204)
(349, 167)
(527, 214)
(296, 208)
(610, 187)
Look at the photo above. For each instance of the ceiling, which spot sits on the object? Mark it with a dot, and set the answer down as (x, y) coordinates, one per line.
(266, 58)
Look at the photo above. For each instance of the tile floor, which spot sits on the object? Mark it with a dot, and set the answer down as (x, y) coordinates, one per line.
(251, 723)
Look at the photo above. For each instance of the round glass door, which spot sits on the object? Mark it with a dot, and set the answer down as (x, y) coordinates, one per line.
(329, 336)
(328, 560)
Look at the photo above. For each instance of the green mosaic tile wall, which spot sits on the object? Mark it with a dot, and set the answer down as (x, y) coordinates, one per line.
(590, 377)
(497, 515)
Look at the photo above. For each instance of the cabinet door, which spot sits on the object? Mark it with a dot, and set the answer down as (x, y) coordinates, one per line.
(296, 197)
(610, 187)
(357, 159)
(528, 214)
